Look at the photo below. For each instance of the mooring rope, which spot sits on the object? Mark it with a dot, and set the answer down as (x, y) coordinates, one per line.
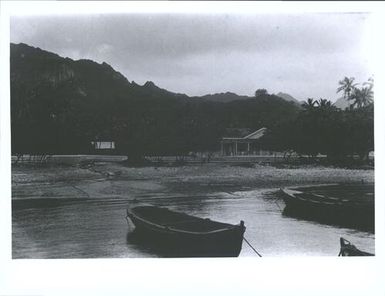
(252, 247)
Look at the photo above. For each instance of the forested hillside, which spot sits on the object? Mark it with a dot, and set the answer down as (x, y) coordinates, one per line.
(59, 105)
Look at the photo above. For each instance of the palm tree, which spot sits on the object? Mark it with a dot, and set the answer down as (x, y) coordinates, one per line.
(347, 86)
(310, 104)
(323, 103)
(362, 97)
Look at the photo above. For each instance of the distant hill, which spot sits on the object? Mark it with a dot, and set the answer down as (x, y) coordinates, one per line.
(287, 97)
(224, 97)
(229, 97)
(342, 103)
(60, 105)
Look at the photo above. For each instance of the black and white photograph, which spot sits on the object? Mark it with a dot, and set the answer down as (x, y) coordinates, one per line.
(228, 133)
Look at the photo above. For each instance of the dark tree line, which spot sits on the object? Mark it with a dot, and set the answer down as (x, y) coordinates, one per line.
(54, 122)
(177, 127)
(321, 128)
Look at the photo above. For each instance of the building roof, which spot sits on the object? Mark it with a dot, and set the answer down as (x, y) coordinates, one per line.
(245, 134)
(257, 134)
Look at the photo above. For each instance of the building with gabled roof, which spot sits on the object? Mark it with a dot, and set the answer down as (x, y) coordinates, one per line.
(242, 141)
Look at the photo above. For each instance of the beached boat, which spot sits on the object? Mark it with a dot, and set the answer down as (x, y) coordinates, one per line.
(175, 234)
(309, 200)
(355, 212)
(348, 249)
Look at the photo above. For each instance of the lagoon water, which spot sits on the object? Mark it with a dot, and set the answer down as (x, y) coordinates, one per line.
(84, 226)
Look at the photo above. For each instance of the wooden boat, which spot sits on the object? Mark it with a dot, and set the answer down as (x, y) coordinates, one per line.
(174, 234)
(357, 213)
(348, 249)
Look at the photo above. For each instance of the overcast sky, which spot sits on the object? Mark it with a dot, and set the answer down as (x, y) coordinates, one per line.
(303, 55)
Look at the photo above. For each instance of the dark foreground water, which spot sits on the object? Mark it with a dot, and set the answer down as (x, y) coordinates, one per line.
(96, 228)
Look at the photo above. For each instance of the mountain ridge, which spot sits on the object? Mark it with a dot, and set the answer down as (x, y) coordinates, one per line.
(59, 105)
(149, 86)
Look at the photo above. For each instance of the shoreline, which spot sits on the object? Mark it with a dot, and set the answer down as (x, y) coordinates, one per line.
(114, 179)
(276, 160)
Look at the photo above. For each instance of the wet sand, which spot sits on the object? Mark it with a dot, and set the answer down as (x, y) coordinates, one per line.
(78, 211)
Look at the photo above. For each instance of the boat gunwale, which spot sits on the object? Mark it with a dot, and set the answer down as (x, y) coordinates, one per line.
(176, 230)
(293, 196)
(327, 201)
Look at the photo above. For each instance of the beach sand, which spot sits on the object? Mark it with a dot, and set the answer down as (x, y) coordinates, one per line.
(114, 179)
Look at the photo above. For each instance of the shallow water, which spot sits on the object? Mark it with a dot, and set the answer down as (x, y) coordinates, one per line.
(86, 227)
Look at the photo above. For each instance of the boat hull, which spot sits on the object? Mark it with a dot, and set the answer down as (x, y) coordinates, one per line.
(171, 242)
(328, 210)
(348, 249)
